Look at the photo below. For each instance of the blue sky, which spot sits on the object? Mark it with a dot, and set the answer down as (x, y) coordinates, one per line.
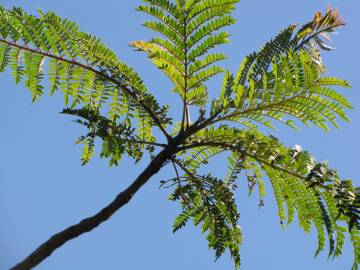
(43, 188)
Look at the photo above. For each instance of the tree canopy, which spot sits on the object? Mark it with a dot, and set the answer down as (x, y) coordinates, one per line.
(284, 82)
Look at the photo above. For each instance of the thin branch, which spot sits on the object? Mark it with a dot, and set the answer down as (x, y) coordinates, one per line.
(146, 142)
(185, 169)
(176, 171)
(185, 200)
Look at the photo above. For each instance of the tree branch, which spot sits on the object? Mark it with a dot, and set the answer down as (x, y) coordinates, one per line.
(90, 223)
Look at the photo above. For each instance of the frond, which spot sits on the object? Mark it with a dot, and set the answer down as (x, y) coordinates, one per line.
(144, 127)
(78, 64)
(203, 63)
(235, 165)
(355, 240)
(160, 13)
(166, 6)
(312, 190)
(189, 29)
(314, 35)
(208, 29)
(200, 156)
(88, 150)
(308, 37)
(209, 203)
(294, 89)
(209, 43)
(170, 34)
(164, 60)
(218, 7)
(271, 50)
(281, 195)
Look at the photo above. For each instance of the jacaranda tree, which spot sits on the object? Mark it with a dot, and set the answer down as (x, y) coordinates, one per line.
(284, 82)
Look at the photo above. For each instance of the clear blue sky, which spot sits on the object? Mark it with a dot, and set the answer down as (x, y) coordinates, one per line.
(43, 188)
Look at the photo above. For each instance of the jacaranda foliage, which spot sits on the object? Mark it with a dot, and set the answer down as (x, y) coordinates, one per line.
(283, 83)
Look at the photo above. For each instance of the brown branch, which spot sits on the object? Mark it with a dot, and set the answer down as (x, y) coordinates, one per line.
(90, 223)
(149, 143)
(133, 94)
(145, 142)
